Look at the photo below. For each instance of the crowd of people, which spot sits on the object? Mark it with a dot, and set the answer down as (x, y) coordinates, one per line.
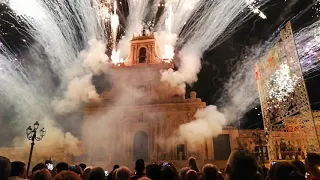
(241, 165)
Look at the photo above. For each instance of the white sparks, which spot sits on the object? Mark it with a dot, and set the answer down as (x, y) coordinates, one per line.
(255, 9)
(281, 83)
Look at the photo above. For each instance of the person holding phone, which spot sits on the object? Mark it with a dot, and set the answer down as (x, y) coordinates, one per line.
(49, 164)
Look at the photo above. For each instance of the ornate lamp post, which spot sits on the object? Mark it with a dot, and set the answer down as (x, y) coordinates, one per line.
(32, 136)
(261, 139)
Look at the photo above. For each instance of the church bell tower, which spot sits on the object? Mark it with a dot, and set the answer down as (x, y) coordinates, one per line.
(143, 50)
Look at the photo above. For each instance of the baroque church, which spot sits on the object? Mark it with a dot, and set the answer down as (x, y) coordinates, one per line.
(139, 115)
(150, 114)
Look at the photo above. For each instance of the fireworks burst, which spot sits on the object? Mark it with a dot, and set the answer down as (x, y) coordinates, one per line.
(253, 6)
(64, 32)
(308, 46)
(282, 83)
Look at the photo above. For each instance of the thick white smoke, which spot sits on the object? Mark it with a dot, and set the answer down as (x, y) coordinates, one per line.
(60, 31)
(108, 122)
(31, 104)
(188, 71)
(217, 20)
(208, 123)
(52, 143)
(94, 58)
(80, 89)
(165, 42)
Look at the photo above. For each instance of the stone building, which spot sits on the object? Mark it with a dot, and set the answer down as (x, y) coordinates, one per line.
(151, 112)
(139, 116)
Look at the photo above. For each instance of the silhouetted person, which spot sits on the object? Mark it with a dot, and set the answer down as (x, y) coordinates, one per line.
(5, 168)
(62, 166)
(86, 173)
(258, 176)
(67, 175)
(191, 175)
(43, 174)
(312, 163)
(183, 172)
(83, 166)
(153, 171)
(18, 171)
(110, 175)
(97, 174)
(300, 165)
(38, 166)
(193, 164)
(139, 167)
(241, 165)
(209, 172)
(285, 171)
(167, 173)
(122, 173)
(76, 168)
(265, 171)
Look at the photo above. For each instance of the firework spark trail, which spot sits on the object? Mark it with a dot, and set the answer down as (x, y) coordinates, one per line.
(239, 92)
(308, 45)
(137, 12)
(218, 20)
(52, 25)
(176, 13)
(56, 28)
(63, 31)
(30, 104)
(114, 21)
(180, 11)
(114, 24)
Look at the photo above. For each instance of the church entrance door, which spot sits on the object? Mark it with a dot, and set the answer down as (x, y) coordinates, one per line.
(141, 146)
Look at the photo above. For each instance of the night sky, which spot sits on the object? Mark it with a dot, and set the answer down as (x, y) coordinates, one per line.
(217, 63)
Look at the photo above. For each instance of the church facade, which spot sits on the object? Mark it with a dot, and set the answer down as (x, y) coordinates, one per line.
(140, 114)
(149, 116)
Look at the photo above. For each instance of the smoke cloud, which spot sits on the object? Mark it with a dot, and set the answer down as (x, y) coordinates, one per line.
(208, 123)
(206, 30)
(80, 89)
(59, 31)
(54, 144)
(165, 42)
(123, 107)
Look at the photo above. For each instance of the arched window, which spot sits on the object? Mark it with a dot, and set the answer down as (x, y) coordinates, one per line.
(142, 55)
(140, 146)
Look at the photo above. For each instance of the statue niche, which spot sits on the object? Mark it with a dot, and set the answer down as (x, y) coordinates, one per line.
(142, 55)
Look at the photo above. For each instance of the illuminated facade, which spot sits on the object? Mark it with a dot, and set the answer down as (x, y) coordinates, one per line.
(153, 113)
(285, 105)
(138, 116)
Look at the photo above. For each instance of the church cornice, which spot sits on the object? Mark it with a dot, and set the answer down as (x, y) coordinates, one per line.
(143, 38)
(170, 107)
(155, 66)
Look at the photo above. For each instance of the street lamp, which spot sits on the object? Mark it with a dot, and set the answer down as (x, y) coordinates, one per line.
(261, 139)
(32, 136)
